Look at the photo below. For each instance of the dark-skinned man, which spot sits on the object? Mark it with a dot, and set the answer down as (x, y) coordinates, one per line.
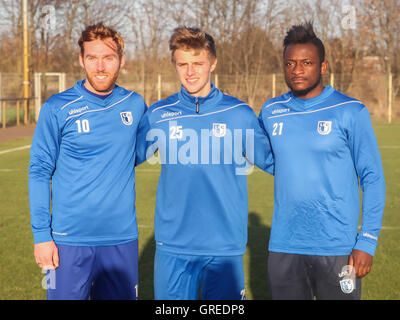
(325, 150)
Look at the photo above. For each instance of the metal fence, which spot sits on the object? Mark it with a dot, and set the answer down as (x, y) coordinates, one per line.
(379, 92)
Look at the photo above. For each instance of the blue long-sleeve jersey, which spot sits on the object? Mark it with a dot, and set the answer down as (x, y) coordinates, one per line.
(85, 146)
(205, 145)
(324, 150)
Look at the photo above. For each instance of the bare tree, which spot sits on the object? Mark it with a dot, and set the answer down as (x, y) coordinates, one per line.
(384, 23)
(149, 35)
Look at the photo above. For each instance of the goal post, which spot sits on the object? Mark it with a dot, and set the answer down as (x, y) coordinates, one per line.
(38, 87)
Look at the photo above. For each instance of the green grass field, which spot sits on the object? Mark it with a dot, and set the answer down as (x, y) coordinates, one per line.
(20, 278)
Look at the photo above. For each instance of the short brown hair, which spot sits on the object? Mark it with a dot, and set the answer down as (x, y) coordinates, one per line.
(101, 32)
(191, 38)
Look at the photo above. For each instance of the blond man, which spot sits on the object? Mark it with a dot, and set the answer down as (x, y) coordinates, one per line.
(206, 140)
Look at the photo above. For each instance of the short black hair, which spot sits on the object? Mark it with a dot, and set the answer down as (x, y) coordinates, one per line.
(304, 33)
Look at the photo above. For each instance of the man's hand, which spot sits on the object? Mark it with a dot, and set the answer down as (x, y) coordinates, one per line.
(46, 255)
(361, 261)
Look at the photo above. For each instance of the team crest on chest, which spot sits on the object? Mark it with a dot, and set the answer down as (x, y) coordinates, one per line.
(324, 127)
(127, 118)
(219, 129)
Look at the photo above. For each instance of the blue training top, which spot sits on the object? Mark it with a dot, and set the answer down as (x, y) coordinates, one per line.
(205, 145)
(85, 146)
(324, 147)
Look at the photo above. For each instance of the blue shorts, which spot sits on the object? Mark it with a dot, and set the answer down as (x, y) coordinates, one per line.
(96, 272)
(182, 277)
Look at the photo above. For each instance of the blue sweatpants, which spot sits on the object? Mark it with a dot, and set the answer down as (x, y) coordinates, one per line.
(96, 272)
(182, 277)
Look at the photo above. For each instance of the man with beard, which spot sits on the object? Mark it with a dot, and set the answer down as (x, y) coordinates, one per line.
(324, 150)
(84, 145)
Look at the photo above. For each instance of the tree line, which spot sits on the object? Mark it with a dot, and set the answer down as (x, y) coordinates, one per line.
(248, 34)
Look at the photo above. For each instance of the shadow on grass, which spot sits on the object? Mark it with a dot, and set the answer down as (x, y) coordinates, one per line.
(257, 245)
(258, 236)
(146, 268)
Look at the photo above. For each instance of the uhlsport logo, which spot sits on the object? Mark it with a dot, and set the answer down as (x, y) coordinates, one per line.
(126, 118)
(171, 114)
(324, 127)
(79, 110)
(280, 110)
(219, 129)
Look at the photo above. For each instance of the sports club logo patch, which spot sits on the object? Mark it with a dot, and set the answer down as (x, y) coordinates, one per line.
(348, 283)
(126, 118)
(219, 129)
(324, 127)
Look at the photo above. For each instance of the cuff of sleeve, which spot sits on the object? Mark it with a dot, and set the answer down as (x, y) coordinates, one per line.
(42, 236)
(366, 246)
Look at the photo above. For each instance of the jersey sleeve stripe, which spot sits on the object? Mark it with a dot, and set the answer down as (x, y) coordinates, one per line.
(313, 111)
(167, 105)
(202, 115)
(284, 101)
(73, 101)
(103, 109)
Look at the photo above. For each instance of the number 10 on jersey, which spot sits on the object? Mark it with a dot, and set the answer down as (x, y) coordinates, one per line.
(83, 125)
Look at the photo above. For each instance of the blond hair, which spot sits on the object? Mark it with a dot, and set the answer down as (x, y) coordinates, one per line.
(187, 38)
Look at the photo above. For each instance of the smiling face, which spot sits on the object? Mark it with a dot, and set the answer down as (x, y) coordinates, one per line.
(101, 63)
(303, 70)
(194, 69)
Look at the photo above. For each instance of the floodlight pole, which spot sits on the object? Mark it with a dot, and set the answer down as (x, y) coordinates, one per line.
(26, 62)
(390, 96)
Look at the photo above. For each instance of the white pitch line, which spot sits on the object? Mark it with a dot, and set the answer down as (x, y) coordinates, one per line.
(15, 149)
(389, 147)
(390, 228)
